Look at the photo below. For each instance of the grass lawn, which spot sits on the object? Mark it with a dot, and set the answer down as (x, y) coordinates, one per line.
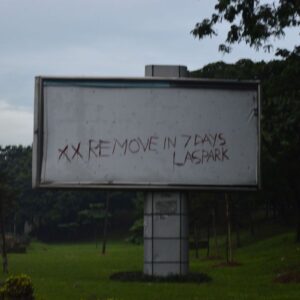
(79, 271)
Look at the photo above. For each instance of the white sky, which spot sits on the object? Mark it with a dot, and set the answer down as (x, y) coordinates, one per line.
(98, 38)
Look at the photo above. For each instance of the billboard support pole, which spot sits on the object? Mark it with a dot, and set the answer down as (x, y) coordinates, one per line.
(166, 214)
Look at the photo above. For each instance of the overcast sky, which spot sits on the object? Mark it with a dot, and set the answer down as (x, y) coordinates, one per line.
(97, 38)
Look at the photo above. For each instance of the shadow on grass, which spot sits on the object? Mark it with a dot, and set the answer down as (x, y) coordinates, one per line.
(141, 277)
(227, 264)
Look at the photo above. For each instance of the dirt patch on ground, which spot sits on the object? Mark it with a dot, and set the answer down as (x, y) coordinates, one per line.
(228, 264)
(213, 258)
(288, 277)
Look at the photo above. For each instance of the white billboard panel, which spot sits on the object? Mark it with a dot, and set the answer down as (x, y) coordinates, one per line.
(146, 133)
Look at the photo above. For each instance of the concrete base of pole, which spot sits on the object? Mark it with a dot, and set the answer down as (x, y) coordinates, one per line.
(166, 234)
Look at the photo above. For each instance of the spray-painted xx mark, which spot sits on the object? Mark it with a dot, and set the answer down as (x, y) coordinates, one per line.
(63, 153)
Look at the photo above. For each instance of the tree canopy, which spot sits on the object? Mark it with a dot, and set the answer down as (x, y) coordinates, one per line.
(254, 22)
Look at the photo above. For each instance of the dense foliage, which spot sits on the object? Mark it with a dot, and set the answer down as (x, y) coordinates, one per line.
(17, 287)
(254, 22)
(56, 214)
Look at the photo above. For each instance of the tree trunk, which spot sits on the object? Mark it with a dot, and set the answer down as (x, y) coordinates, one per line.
(267, 208)
(214, 229)
(252, 231)
(229, 244)
(196, 239)
(208, 238)
(275, 210)
(15, 225)
(96, 234)
(4, 253)
(298, 216)
(237, 225)
(105, 222)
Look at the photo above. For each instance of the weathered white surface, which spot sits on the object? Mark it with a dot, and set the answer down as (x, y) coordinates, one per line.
(128, 136)
(166, 234)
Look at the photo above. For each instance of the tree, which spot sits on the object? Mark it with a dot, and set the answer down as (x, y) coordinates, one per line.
(228, 225)
(94, 214)
(137, 228)
(254, 22)
(201, 205)
(4, 196)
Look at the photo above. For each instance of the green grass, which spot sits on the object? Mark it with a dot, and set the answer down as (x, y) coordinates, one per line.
(79, 271)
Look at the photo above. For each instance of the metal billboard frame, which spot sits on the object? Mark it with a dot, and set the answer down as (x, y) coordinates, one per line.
(129, 82)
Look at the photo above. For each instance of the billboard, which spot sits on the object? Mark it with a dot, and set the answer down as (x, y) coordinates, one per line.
(147, 133)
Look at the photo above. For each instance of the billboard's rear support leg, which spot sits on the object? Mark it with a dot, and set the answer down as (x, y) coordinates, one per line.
(166, 234)
(166, 215)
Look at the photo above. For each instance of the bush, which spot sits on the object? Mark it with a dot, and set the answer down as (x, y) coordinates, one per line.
(17, 287)
(136, 232)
